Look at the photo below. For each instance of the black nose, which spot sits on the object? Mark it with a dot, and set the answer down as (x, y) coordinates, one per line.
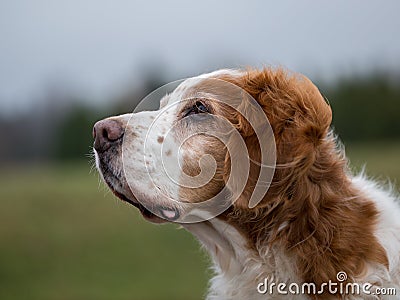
(105, 133)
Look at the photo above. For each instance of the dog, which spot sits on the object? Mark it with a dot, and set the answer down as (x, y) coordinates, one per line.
(311, 221)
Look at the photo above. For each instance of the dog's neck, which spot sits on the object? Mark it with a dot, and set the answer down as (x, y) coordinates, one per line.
(225, 244)
(238, 267)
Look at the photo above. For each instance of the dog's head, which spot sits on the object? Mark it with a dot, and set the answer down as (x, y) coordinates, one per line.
(213, 144)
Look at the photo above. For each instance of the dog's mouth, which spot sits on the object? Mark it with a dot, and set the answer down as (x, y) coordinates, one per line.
(143, 210)
(167, 214)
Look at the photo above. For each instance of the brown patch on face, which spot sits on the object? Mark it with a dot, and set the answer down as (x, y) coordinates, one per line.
(196, 147)
(168, 153)
(311, 209)
(160, 139)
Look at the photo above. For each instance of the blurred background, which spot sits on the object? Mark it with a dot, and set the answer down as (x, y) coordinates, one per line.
(65, 64)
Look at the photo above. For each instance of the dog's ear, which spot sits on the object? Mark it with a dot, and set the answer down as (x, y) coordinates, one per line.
(300, 118)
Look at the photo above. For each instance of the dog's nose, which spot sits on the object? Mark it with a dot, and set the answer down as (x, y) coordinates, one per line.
(105, 133)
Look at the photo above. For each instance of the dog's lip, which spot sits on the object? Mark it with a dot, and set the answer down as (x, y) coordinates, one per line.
(168, 214)
(145, 212)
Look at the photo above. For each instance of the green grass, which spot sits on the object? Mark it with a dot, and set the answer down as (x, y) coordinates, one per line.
(63, 236)
(381, 161)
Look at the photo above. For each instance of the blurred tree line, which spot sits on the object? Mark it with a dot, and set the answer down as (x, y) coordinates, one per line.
(366, 108)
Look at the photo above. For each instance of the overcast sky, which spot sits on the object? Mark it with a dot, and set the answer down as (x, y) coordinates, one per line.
(97, 46)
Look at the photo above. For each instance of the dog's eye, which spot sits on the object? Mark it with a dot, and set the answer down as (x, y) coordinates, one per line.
(197, 108)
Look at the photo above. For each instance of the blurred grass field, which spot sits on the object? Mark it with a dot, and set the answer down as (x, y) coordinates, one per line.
(64, 236)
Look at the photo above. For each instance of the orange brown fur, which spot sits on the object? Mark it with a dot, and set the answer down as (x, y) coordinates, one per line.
(329, 226)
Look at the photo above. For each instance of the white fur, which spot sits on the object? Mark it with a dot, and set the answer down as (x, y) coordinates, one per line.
(238, 270)
(387, 232)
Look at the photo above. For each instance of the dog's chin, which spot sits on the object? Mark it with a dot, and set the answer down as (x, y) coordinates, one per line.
(147, 215)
